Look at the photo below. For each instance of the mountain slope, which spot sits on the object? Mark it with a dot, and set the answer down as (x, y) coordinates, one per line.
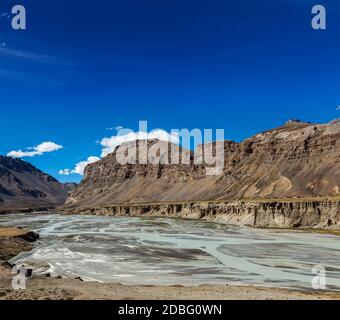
(295, 160)
(24, 186)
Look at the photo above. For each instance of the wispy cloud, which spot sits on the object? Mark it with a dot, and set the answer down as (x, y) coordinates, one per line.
(6, 51)
(40, 149)
(30, 79)
(117, 128)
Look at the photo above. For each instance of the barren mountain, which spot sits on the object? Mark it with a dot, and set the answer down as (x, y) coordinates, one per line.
(296, 160)
(24, 186)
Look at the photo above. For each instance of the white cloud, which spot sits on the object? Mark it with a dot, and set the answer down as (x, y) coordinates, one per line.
(111, 143)
(65, 172)
(79, 167)
(38, 150)
(338, 108)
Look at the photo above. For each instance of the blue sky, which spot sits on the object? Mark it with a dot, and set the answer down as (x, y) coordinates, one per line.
(84, 66)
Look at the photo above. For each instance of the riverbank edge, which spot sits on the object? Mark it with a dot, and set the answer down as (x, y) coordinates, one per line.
(4, 211)
(301, 214)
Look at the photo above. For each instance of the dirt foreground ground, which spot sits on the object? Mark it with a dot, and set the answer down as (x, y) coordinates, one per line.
(72, 289)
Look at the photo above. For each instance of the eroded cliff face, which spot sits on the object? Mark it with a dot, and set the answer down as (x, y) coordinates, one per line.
(324, 214)
(296, 160)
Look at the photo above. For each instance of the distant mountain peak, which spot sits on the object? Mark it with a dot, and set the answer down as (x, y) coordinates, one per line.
(24, 186)
(295, 122)
(335, 121)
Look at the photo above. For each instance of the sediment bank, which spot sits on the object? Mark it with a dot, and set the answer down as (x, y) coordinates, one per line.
(314, 213)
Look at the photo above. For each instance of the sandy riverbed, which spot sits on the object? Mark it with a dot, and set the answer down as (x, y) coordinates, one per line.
(12, 242)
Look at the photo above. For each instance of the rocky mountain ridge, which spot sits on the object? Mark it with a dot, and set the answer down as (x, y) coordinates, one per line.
(296, 160)
(24, 186)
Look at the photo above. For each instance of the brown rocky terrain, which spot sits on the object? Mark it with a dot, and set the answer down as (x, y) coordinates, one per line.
(42, 288)
(24, 186)
(14, 241)
(297, 160)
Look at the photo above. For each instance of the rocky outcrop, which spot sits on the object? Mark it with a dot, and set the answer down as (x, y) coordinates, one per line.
(24, 186)
(311, 213)
(13, 241)
(296, 160)
(19, 233)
